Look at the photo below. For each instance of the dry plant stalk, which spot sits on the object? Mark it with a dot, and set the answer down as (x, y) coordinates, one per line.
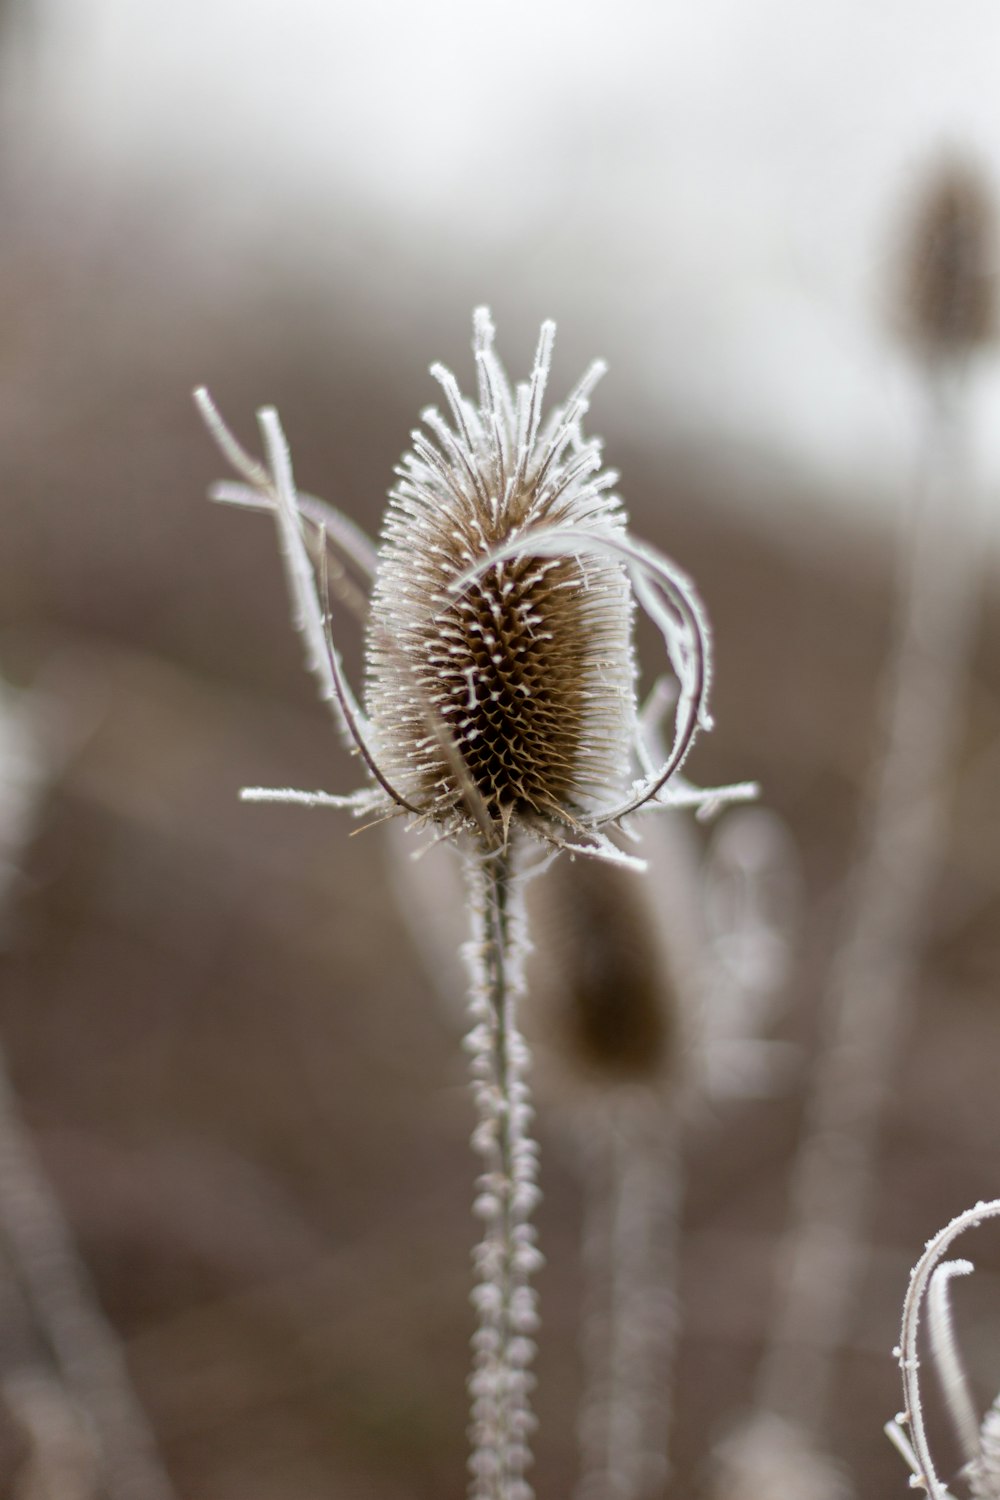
(876, 961)
(634, 1189)
(978, 1437)
(500, 712)
(88, 1407)
(610, 1016)
(85, 1349)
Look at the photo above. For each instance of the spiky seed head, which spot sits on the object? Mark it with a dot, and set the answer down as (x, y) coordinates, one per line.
(509, 696)
(949, 285)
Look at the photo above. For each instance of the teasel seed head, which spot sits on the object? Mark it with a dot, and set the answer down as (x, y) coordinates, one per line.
(500, 688)
(949, 281)
(514, 694)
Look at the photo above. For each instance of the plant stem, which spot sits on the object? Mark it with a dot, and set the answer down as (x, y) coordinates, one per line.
(872, 980)
(633, 1186)
(87, 1353)
(501, 1382)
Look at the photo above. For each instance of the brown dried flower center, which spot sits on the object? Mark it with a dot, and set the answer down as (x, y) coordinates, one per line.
(507, 667)
(502, 687)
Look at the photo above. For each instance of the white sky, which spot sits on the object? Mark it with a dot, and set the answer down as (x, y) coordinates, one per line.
(703, 191)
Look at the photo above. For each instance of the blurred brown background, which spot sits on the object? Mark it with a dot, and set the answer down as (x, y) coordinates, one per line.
(249, 1102)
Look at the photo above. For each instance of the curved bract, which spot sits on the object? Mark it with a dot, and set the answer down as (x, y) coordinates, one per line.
(929, 1284)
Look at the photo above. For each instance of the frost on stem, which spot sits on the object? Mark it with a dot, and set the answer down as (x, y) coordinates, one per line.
(979, 1440)
(506, 1192)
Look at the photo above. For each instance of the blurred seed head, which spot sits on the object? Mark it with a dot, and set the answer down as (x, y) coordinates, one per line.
(950, 264)
(513, 693)
(605, 1007)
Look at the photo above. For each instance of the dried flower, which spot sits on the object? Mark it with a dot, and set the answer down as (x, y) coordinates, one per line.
(499, 708)
(499, 677)
(528, 670)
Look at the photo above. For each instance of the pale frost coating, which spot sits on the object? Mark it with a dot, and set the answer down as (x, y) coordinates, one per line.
(929, 1280)
(527, 673)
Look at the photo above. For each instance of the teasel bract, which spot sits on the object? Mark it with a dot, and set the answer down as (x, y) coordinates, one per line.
(500, 710)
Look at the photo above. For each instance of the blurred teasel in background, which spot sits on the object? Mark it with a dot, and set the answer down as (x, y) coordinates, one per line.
(612, 1019)
(949, 267)
(943, 297)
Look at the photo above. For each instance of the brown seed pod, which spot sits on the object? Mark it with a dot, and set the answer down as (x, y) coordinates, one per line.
(609, 1003)
(519, 689)
(949, 274)
(500, 689)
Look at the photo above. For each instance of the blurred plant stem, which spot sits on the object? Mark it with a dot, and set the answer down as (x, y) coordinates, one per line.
(866, 1005)
(634, 1183)
(86, 1350)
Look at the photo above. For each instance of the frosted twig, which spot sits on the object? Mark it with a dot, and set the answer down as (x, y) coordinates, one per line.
(944, 1351)
(912, 1415)
(354, 800)
(341, 530)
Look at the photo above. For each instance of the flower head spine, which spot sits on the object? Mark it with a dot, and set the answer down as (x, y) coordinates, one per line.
(523, 660)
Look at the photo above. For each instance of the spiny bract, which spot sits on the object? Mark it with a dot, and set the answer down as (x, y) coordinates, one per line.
(518, 688)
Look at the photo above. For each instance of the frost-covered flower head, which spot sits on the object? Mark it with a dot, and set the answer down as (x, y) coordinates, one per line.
(519, 667)
(500, 688)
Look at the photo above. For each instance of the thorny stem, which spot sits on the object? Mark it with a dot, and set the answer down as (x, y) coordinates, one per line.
(505, 1258)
